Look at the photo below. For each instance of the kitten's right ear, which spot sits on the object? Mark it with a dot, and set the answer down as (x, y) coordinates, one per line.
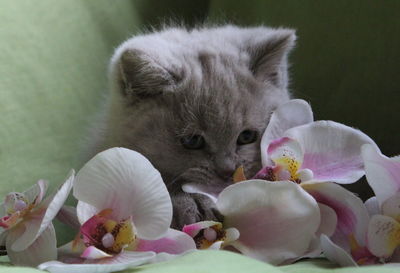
(140, 75)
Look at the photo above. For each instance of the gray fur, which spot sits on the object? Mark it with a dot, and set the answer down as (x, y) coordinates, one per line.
(215, 82)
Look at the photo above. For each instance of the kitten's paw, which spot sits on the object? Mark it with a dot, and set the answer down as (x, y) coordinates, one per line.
(190, 208)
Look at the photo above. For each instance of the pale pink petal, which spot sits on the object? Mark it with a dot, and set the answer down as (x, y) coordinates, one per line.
(335, 253)
(43, 215)
(391, 207)
(331, 150)
(291, 114)
(383, 173)
(352, 216)
(372, 206)
(207, 190)
(126, 182)
(42, 250)
(383, 235)
(85, 211)
(118, 262)
(276, 220)
(174, 242)
(328, 220)
(314, 250)
(93, 253)
(67, 215)
(193, 229)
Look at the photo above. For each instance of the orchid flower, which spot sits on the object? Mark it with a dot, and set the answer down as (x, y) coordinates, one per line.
(378, 237)
(125, 211)
(26, 227)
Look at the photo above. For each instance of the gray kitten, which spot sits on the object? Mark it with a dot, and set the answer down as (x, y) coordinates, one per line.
(196, 103)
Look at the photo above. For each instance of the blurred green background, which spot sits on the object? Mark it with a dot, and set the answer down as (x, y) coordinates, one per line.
(54, 56)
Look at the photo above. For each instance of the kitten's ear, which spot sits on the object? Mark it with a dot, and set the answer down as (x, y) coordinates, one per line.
(140, 75)
(268, 56)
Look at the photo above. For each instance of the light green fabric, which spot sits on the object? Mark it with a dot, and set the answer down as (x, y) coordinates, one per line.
(53, 63)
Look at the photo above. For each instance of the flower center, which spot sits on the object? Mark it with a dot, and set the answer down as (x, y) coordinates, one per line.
(16, 206)
(208, 236)
(107, 234)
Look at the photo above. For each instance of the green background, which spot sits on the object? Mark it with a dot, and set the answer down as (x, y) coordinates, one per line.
(54, 56)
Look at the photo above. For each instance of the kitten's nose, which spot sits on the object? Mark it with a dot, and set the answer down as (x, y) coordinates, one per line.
(225, 167)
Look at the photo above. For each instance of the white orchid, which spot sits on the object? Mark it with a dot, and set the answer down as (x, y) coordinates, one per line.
(125, 211)
(26, 227)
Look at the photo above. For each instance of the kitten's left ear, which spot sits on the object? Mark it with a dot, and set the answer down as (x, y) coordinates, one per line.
(268, 55)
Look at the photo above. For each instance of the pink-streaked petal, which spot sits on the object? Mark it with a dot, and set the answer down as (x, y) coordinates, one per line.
(276, 220)
(94, 253)
(67, 215)
(383, 173)
(331, 150)
(126, 182)
(288, 115)
(206, 190)
(85, 211)
(383, 235)
(352, 216)
(391, 207)
(122, 261)
(328, 220)
(42, 250)
(193, 229)
(174, 242)
(372, 206)
(43, 215)
(335, 253)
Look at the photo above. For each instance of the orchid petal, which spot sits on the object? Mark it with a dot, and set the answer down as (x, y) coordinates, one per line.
(124, 260)
(35, 193)
(372, 206)
(391, 207)
(85, 211)
(286, 218)
(383, 173)
(94, 253)
(335, 253)
(43, 215)
(383, 235)
(174, 242)
(201, 189)
(352, 216)
(328, 220)
(288, 115)
(331, 150)
(42, 250)
(193, 229)
(67, 215)
(117, 175)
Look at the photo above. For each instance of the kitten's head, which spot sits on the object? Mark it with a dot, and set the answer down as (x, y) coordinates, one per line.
(196, 103)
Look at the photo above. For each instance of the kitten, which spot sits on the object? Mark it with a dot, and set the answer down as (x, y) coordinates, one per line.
(195, 103)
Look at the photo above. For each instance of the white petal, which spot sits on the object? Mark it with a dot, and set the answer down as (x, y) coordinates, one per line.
(126, 182)
(67, 215)
(352, 216)
(93, 253)
(372, 206)
(383, 235)
(84, 211)
(331, 150)
(383, 173)
(43, 215)
(174, 242)
(37, 191)
(42, 250)
(119, 262)
(291, 114)
(328, 220)
(335, 253)
(201, 189)
(391, 207)
(276, 220)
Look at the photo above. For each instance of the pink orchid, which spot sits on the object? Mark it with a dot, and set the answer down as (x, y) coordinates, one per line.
(26, 227)
(378, 239)
(125, 212)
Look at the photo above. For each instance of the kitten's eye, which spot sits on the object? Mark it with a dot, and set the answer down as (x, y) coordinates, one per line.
(193, 142)
(247, 137)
